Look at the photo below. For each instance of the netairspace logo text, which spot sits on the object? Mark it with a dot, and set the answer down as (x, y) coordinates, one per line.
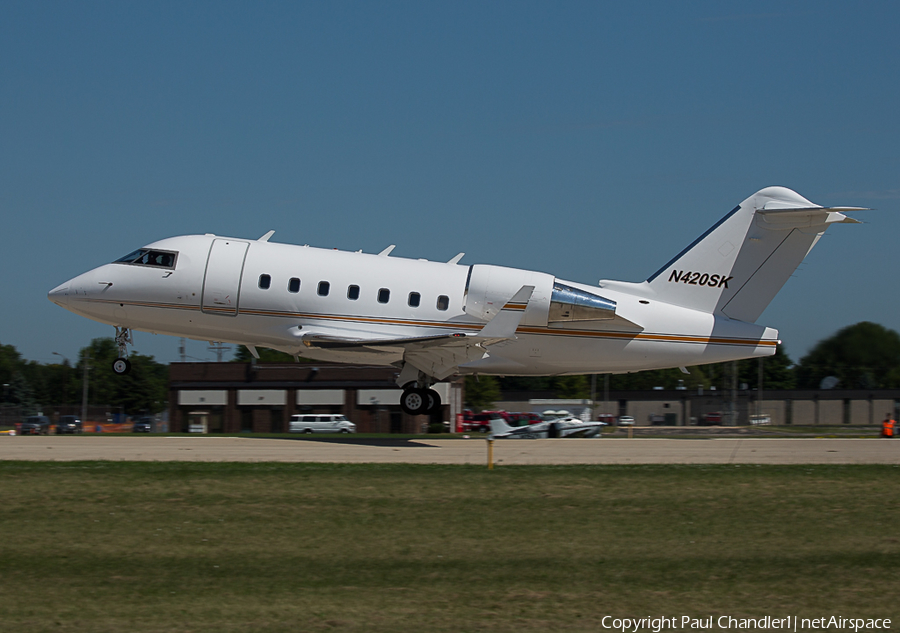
(726, 622)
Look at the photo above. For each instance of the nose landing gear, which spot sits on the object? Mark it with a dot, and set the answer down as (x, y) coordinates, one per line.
(122, 365)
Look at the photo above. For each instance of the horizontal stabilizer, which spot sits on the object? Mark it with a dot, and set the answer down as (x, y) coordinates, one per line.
(500, 427)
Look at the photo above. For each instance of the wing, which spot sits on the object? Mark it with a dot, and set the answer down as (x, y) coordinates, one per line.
(440, 355)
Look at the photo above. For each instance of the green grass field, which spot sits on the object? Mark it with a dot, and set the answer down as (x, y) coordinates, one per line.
(101, 546)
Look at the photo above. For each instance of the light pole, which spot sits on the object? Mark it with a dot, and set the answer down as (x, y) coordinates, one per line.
(759, 392)
(4, 411)
(84, 387)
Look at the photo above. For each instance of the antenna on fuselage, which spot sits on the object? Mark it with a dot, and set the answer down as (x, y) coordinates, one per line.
(265, 238)
(387, 252)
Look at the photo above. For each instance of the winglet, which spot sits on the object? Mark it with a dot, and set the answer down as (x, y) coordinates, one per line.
(503, 326)
(265, 238)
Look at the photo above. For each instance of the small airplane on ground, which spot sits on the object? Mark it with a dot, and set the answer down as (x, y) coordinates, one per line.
(432, 320)
(560, 427)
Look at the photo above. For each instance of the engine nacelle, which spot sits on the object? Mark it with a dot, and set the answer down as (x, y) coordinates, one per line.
(488, 288)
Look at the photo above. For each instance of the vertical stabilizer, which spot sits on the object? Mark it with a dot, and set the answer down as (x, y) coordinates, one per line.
(738, 266)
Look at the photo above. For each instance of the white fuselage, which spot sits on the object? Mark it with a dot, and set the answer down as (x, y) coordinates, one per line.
(217, 290)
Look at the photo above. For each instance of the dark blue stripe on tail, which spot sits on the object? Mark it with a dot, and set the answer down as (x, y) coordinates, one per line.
(693, 244)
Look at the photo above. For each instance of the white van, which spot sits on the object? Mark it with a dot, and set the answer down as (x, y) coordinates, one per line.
(321, 423)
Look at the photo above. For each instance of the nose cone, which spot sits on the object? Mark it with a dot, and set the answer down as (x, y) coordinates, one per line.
(60, 295)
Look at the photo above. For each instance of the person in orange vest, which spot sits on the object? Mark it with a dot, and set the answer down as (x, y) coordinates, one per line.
(887, 427)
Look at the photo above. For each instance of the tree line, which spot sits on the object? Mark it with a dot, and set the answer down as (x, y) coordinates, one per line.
(30, 386)
(861, 356)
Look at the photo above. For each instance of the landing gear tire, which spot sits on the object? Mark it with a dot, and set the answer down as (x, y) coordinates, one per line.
(414, 401)
(121, 366)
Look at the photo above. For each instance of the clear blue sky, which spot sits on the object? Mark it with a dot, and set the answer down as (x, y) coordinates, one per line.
(586, 139)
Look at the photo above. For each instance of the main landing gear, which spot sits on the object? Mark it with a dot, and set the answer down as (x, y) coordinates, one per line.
(419, 401)
(122, 365)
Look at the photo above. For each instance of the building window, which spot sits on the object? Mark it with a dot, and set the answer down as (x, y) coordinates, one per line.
(265, 281)
(353, 293)
(414, 299)
(324, 288)
(384, 295)
(294, 285)
(443, 302)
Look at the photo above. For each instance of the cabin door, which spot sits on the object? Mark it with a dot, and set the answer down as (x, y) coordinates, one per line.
(222, 282)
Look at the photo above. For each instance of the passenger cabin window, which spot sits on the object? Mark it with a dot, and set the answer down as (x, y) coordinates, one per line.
(353, 293)
(148, 257)
(384, 295)
(443, 302)
(265, 281)
(324, 288)
(294, 285)
(414, 299)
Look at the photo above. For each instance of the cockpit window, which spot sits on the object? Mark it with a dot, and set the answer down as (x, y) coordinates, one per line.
(148, 257)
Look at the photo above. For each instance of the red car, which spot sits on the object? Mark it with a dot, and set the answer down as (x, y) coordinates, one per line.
(481, 422)
(522, 419)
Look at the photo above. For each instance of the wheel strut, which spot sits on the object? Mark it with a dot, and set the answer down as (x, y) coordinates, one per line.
(122, 365)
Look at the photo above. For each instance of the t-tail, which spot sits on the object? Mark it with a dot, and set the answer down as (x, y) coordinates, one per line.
(738, 266)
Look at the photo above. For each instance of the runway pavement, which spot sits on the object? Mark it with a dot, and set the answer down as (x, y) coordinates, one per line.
(454, 451)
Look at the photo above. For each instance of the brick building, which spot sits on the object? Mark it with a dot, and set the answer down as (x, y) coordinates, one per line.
(683, 407)
(262, 397)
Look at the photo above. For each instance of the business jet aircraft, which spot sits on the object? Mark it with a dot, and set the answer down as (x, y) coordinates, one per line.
(560, 427)
(432, 319)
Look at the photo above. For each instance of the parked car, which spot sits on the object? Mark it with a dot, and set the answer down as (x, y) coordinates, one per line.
(481, 422)
(69, 424)
(320, 423)
(142, 425)
(626, 420)
(35, 425)
(523, 419)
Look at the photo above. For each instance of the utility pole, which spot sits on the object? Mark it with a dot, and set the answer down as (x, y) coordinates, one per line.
(219, 348)
(734, 377)
(606, 394)
(759, 392)
(84, 387)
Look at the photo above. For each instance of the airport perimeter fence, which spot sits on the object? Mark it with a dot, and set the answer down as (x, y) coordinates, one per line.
(12, 415)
